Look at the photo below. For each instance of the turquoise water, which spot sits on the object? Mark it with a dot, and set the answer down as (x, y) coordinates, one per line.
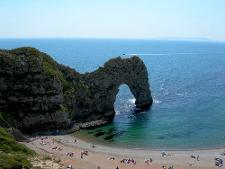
(187, 82)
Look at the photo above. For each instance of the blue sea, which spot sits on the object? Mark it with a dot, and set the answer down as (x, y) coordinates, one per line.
(187, 80)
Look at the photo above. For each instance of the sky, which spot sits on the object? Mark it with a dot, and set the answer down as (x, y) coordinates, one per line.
(129, 19)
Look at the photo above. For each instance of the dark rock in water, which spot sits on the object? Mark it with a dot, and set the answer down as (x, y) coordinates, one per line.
(186, 134)
(99, 130)
(90, 132)
(99, 134)
(161, 137)
(37, 93)
(111, 140)
(109, 137)
(110, 131)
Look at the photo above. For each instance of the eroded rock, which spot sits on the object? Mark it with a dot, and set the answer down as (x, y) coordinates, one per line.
(37, 93)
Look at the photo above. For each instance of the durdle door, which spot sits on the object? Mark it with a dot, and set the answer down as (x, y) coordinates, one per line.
(38, 94)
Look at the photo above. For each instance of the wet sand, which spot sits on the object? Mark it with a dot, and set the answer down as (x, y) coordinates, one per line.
(68, 149)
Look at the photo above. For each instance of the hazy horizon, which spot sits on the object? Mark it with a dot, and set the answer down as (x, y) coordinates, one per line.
(109, 38)
(137, 19)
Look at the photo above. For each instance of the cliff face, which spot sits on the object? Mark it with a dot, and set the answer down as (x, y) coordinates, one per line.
(36, 93)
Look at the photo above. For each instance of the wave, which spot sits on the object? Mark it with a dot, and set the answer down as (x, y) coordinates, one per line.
(157, 101)
(132, 100)
(117, 112)
(166, 93)
(162, 54)
(162, 86)
(180, 94)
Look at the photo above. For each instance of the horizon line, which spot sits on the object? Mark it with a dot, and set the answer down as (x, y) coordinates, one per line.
(193, 39)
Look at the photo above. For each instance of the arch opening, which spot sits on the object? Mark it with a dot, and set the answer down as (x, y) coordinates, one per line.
(124, 101)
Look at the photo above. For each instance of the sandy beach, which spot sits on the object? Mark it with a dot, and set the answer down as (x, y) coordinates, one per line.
(68, 150)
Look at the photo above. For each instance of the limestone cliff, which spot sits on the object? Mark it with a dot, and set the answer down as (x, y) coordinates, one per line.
(37, 93)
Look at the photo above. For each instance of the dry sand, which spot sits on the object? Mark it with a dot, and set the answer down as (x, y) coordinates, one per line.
(100, 154)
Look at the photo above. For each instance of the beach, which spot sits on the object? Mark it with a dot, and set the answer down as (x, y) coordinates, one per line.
(82, 154)
(112, 84)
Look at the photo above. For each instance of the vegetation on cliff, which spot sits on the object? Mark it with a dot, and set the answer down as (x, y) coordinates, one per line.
(32, 89)
(12, 154)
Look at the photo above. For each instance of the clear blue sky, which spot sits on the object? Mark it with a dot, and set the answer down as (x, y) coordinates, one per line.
(150, 19)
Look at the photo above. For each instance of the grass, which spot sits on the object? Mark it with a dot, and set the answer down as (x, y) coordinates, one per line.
(26, 50)
(51, 69)
(9, 161)
(12, 154)
(49, 65)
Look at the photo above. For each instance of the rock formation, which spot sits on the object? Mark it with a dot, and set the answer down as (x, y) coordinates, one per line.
(37, 93)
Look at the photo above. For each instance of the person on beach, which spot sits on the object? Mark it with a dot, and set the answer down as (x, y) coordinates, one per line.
(111, 158)
(70, 154)
(83, 153)
(128, 161)
(197, 158)
(148, 161)
(43, 143)
(192, 156)
(223, 153)
(69, 167)
(163, 154)
(218, 162)
(54, 148)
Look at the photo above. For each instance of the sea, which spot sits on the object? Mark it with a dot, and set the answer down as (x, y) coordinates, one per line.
(187, 81)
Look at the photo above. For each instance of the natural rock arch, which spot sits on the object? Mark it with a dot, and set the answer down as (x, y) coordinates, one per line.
(106, 80)
(37, 93)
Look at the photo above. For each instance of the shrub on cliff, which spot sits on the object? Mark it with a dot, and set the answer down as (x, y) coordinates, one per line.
(12, 154)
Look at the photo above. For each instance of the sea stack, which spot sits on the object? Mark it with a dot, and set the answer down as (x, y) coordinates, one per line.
(38, 94)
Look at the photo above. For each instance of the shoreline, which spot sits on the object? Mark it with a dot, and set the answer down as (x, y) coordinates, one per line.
(96, 142)
(86, 145)
(100, 154)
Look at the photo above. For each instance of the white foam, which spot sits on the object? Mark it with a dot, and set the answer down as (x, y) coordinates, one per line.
(166, 93)
(117, 112)
(162, 54)
(156, 101)
(162, 86)
(179, 94)
(132, 100)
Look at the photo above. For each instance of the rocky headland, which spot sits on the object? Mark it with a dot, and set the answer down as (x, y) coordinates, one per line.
(39, 94)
